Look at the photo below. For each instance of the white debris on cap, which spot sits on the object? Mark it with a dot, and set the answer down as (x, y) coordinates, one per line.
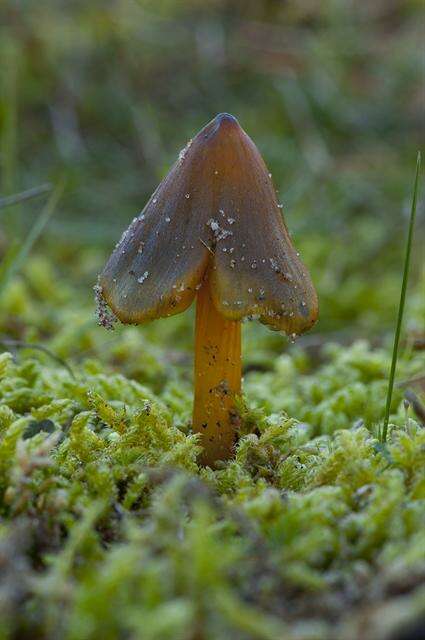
(143, 277)
(105, 317)
(219, 232)
(183, 152)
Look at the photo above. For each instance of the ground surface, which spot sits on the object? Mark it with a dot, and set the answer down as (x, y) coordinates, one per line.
(109, 529)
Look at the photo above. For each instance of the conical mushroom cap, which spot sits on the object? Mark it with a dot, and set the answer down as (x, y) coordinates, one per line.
(215, 211)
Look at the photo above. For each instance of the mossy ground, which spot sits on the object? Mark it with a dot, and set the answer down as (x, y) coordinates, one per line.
(109, 529)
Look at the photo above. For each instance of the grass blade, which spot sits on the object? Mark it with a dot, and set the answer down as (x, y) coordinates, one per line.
(18, 257)
(19, 344)
(402, 300)
(16, 198)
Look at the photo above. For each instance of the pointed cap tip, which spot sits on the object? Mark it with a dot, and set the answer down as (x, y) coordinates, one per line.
(226, 119)
(223, 123)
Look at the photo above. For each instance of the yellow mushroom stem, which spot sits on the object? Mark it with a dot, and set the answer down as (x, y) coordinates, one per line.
(217, 378)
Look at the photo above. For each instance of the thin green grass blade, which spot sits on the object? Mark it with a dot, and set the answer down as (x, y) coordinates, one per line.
(16, 198)
(20, 344)
(17, 257)
(402, 300)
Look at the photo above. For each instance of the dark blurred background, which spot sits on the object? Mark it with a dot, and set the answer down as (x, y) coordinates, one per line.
(104, 94)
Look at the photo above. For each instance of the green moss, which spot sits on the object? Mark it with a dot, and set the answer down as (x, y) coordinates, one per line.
(109, 529)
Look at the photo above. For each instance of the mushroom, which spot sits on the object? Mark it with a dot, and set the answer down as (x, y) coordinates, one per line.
(213, 230)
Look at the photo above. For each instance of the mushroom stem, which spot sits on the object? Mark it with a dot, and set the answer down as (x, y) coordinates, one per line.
(217, 378)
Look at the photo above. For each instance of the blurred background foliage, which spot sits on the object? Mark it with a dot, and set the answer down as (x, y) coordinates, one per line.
(104, 94)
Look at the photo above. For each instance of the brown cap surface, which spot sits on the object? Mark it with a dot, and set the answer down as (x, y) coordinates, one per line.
(216, 210)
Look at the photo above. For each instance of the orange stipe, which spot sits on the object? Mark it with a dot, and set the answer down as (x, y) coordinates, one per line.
(217, 378)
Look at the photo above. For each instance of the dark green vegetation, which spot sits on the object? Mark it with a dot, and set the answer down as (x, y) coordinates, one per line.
(108, 529)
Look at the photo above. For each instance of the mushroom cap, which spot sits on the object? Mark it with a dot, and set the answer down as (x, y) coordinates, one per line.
(216, 211)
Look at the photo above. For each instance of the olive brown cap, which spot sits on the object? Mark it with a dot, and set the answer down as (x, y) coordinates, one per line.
(215, 211)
